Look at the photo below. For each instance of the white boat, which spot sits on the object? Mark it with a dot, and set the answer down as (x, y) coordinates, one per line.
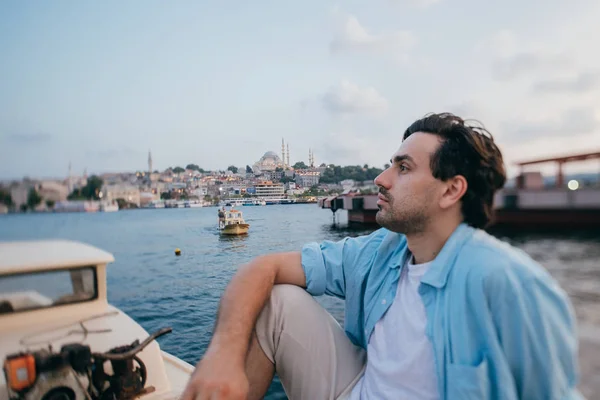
(233, 223)
(91, 206)
(109, 207)
(77, 206)
(156, 204)
(61, 339)
(255, 202)
(193, 204)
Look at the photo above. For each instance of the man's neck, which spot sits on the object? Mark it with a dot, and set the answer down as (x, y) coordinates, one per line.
(425, 246)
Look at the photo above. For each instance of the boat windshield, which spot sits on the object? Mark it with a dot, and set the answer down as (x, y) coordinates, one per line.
(35, 290)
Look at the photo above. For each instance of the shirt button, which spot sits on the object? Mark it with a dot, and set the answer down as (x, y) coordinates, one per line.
(383, 301)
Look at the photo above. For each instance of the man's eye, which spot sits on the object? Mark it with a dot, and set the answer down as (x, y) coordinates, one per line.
(403, 168)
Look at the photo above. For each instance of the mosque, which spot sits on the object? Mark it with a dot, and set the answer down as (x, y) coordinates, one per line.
(270, 161)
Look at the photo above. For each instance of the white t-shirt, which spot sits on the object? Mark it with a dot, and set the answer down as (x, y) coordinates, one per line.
(400, 363)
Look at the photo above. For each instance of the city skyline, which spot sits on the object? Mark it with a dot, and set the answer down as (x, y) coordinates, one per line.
(591, 167)
(150, 167)
(97, 84)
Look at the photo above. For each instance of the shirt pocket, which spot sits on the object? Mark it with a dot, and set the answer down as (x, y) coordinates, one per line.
(467, 382)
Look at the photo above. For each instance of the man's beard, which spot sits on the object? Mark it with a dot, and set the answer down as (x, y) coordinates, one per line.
(407, 221)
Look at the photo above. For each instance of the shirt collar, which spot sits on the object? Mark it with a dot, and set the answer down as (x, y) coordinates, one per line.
(437, 274)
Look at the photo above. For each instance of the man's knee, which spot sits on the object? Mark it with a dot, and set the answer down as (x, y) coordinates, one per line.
(285, 299)
(289, 294)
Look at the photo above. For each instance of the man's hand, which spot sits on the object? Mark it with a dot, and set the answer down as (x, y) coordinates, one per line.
(217, 378)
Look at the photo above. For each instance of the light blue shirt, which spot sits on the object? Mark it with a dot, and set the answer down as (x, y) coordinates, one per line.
(500, 326)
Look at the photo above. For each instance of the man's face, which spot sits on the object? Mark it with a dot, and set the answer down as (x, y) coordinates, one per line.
(408, 192)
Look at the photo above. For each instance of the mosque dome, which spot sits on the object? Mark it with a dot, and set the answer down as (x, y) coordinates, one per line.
(269, 162)
(270, 154)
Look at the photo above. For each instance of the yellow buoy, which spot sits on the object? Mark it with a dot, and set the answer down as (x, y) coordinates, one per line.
(177, 252)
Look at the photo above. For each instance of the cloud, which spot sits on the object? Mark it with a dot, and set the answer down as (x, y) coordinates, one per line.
(580, 83)
(467, 109)
(574, 122)
(349, 98)
(25, 138)
(513, 57)
(499, 44)
(512, 67)
(352, 36)
(341, 146)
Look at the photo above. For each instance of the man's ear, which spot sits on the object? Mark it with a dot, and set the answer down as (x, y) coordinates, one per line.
(454, 189)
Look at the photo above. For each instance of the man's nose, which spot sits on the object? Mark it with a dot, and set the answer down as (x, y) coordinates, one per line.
(381, 180)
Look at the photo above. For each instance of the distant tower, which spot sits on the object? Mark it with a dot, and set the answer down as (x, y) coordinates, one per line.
(283, 152)
(149, 162)
(311, 161)
(70, 180)
(288, 155)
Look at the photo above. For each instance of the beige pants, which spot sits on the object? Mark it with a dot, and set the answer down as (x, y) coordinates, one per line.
(312, 355)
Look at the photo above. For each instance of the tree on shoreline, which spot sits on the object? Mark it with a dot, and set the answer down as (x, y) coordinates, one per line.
(33, 199)
(6, 198)
(91, 191)
(194, 167)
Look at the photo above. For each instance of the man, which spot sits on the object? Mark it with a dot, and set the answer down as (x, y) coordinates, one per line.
(221, 214)
(435, 308)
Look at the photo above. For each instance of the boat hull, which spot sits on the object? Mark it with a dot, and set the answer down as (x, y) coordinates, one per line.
(178, 373)
(235, 229)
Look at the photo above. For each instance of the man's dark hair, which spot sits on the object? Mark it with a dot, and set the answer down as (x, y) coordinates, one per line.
(469, 151)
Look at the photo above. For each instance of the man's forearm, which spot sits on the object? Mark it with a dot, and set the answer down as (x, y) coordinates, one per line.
(244, 298)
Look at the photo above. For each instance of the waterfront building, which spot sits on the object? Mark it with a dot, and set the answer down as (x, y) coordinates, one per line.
(269, 190)
(129, 193)
(305, 178)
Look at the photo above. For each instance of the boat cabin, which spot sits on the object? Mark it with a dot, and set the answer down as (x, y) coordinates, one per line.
(58, 330)
(38, 278)
(233, 217)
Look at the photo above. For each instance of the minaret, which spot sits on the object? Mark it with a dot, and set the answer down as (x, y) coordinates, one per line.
(288, 155)
(70, 181)
(149, 162)
(283, 152)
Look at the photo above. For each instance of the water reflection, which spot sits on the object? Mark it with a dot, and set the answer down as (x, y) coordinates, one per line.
(232, 238)
(235, 243)
(340, 231)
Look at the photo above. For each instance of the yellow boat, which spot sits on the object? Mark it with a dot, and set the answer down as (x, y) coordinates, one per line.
(233, 223)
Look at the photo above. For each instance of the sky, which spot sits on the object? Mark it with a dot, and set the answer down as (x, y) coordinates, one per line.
(100, 84)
